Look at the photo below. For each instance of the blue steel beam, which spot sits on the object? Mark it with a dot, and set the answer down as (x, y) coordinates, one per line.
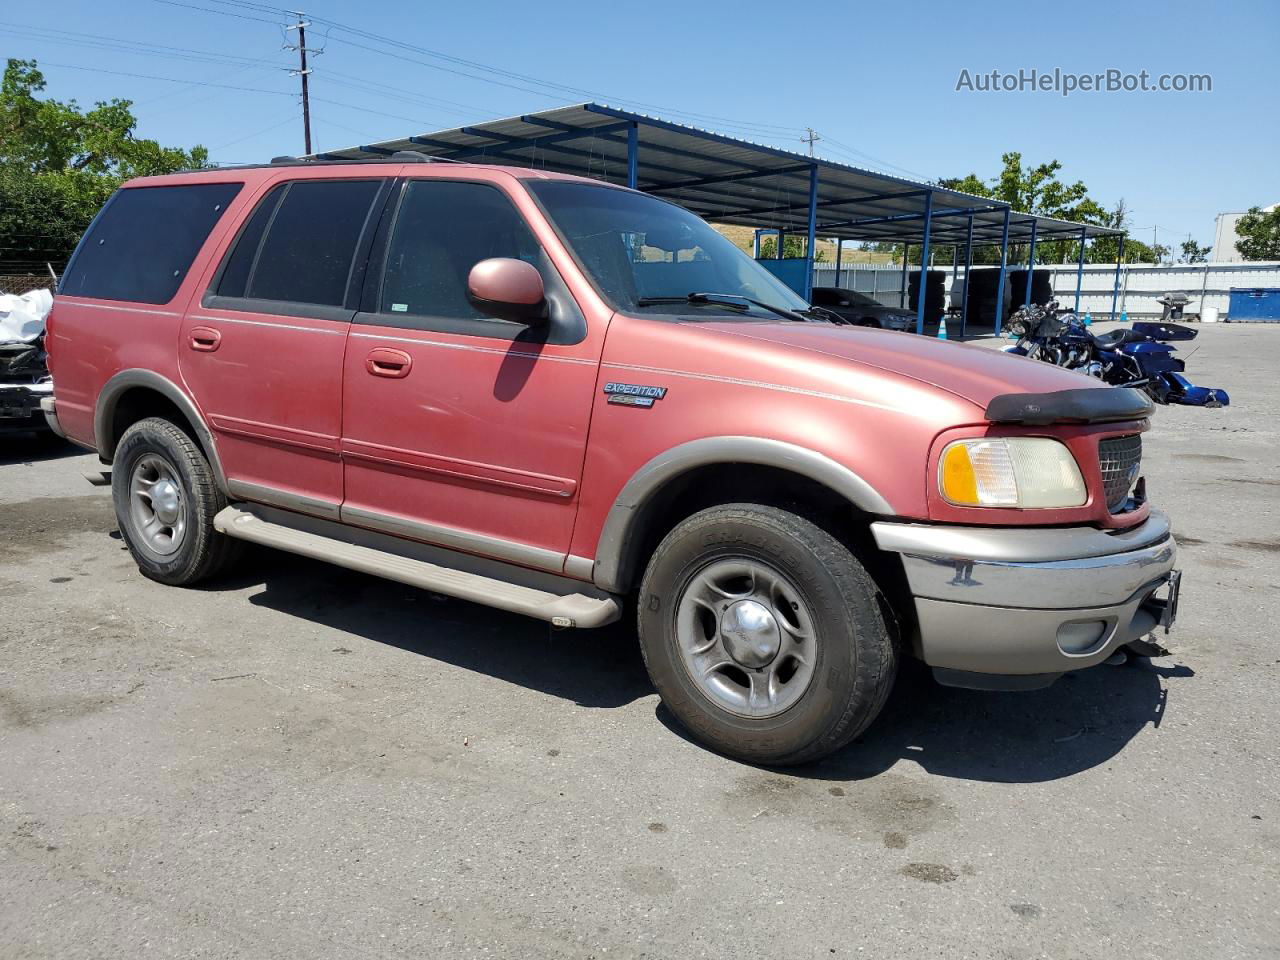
(902, 294)
(1115, 289)
(843, 201)
(922, 289)
(633, 151)
(729, 141)
(968, 266)
(1004, 267)
(902, 217)
(728, 178)
(656, 147)
(811, 237)
(839, 251)
(1031, 263)
(1080, 267)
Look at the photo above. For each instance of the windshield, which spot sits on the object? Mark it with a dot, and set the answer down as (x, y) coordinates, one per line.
(645, 254)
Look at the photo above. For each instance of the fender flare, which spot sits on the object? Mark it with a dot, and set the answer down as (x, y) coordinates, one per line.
(125, 380)
(610, 571)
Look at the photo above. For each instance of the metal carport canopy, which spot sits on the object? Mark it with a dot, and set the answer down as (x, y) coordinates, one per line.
(726, 179)
(733, 181)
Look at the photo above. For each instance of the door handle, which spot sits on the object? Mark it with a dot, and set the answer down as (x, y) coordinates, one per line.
(205, 339)
(385, 362)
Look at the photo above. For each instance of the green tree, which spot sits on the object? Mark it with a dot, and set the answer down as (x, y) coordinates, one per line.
(1033, 190)
(1259, 232)
(1192, 252)
(792, 247)
(59, 164)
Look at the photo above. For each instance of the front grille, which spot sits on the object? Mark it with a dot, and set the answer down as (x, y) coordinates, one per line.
(1120, 459)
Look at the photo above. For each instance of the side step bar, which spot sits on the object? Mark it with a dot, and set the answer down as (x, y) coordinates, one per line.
(558, 600)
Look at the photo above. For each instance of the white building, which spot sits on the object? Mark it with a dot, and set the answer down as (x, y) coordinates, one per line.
(1225, 237)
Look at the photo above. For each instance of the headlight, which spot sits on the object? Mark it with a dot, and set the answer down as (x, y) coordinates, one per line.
(1010, 472)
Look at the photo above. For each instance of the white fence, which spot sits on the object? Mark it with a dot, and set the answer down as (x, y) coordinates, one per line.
(1207, 284)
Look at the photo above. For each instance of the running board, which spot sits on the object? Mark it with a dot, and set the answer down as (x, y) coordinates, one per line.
(558, 600)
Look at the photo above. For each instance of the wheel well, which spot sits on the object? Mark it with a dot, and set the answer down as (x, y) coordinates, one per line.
(716, 484)
(139, 403)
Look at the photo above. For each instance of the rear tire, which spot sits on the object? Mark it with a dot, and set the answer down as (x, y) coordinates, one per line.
(166, 498)
(764, 635)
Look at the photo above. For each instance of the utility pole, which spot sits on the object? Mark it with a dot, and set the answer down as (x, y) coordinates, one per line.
(811, 139)
(1155, 243)
(301, 27)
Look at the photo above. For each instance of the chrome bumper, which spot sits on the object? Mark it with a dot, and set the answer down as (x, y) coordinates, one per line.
(49, 409)
(1031, 601)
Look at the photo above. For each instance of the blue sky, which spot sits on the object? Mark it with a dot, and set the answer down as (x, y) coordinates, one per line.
(876, 80)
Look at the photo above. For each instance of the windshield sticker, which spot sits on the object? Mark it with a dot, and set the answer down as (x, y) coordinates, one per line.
(633, 394)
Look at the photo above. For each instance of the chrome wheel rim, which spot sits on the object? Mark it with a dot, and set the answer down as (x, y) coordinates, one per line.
(156, 505)
(746, 637)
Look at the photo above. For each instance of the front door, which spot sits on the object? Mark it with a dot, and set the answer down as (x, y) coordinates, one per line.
(262, 351)
(460, 429)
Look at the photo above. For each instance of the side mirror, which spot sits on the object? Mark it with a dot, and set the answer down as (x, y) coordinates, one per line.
(508, 289)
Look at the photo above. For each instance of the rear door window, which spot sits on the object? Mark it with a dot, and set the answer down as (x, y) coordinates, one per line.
(144, 241)
(300, 244)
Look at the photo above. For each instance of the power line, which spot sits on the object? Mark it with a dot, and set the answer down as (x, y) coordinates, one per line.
(303, 73)
(524, 79)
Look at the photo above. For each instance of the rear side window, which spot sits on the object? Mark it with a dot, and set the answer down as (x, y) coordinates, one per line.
(299, 245)
(142, 244)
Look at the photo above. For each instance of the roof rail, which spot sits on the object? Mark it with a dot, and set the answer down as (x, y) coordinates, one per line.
(413, 156)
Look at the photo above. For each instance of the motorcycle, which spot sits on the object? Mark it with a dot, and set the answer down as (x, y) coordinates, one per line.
(1140, 357)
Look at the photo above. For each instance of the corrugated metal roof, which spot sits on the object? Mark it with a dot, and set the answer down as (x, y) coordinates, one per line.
(726, 179)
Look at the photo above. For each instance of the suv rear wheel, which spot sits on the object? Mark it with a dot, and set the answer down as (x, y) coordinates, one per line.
(764, 635)
(166, 498)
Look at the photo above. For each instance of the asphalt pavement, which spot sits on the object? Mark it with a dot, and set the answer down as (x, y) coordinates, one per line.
(302, 762)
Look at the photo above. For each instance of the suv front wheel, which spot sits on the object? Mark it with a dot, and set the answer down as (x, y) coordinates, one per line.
(166, 498)
(764, 635)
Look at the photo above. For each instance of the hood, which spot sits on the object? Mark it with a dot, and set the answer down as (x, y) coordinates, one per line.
(976, 374)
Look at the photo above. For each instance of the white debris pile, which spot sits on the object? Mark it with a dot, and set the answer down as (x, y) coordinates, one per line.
(22, 317)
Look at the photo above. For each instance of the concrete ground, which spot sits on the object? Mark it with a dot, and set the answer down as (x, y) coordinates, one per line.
(304, 762)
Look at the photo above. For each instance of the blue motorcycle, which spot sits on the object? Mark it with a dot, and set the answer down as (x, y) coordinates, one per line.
(1140, 357)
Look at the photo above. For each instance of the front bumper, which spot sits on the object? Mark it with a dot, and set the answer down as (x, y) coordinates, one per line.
(1029, 604)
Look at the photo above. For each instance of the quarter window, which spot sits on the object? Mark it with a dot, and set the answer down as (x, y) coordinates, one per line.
(141, 246)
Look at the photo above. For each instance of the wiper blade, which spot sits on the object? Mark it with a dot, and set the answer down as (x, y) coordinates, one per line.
(693, 298)
(712, 298)
(734, 301)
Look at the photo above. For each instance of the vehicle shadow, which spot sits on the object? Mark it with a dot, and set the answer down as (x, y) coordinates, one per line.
(1083, 720)
(593, 668)
(31, 447)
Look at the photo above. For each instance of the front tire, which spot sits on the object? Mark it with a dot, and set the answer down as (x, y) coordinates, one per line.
(764, 635)
(165, 498)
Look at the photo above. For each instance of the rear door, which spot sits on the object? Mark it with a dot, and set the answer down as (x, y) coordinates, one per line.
(262, 352)
(461, 429)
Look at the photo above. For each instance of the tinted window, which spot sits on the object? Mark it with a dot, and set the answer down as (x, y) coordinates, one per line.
(825, 298)
(310, 243)
(142, 244)
(641, 251)
(444, 229)
(235, 276)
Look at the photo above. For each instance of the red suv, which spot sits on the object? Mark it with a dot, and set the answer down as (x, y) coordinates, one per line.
(550, 395)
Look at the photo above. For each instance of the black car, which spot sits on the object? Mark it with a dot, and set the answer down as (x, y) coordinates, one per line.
(24, 381)
(860, 309)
